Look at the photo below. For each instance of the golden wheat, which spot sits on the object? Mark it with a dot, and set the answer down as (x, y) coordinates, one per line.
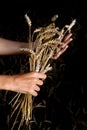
(44, 43)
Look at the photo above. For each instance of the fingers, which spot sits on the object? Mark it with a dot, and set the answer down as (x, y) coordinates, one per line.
(38, 75)
(35, 86)
(34, 91)
(28, 83)
(36, 81)
(64, 47)
(68, 38)
(60, 52)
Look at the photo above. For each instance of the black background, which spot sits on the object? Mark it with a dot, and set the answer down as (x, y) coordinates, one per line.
(73, 88)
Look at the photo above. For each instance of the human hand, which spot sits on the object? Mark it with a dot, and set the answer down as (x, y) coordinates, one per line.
(27, 83)
(64, 47)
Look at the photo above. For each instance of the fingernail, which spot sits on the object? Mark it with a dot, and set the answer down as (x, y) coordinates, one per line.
(70, 34)
(71, 39)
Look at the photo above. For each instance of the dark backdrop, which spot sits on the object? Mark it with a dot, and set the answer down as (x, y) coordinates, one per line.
(67, 102)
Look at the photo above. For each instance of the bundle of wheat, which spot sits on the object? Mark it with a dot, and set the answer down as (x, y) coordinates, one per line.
(44, 43)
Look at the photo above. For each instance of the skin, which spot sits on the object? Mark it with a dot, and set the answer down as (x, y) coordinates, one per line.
(23, 83)
(28, 82)
(67, 40)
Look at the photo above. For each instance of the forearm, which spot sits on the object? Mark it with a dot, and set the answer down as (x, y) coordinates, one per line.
(5, 82)
(23, 83)
(8, 47)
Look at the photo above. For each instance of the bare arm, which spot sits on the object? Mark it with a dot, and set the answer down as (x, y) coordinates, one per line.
(8, 47)
(23, 83)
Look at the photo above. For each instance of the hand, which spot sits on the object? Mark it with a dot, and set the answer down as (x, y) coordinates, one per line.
(27, 83)
(64, 47)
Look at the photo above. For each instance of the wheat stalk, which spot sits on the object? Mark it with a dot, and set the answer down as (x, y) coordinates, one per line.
(47, 41)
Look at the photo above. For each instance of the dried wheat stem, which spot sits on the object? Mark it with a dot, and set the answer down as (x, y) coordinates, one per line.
(48, 68)
(49, 56)
(29, 24)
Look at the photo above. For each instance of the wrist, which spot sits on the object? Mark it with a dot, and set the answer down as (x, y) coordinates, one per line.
(7, 82)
